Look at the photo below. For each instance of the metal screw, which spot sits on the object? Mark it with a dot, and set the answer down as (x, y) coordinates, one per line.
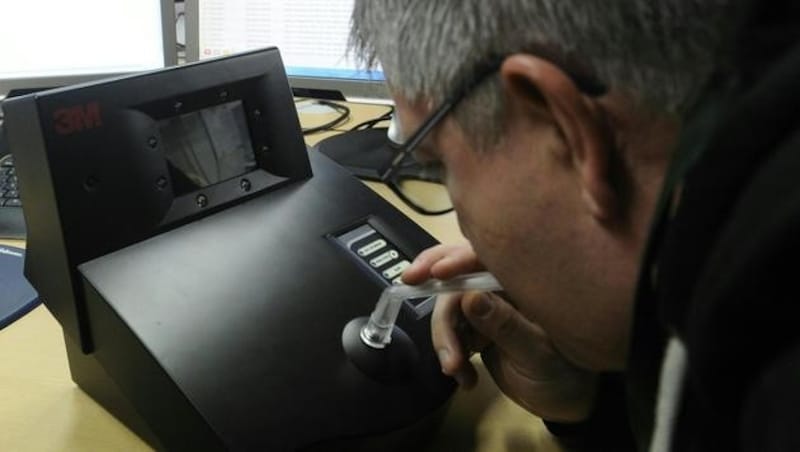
(201, 200)
(245, 185)
(161, 182)
(178, 105)
(152, 142)
(90, 183)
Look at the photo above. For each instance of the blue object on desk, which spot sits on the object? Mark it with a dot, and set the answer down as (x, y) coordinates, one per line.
(17, 297)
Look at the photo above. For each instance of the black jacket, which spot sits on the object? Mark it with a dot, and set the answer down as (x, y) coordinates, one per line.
(721, 269)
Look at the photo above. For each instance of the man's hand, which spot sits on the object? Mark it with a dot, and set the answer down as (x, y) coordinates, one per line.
(516, 351)
(442, 262)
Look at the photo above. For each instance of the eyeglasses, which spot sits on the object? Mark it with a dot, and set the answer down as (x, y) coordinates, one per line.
(420, 184)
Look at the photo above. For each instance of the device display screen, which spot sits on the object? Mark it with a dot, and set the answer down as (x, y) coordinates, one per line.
(207, 146)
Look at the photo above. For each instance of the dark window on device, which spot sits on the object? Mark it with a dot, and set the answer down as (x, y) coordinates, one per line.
(207, 146)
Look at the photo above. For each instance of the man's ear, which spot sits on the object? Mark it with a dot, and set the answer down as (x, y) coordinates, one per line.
(529, 81)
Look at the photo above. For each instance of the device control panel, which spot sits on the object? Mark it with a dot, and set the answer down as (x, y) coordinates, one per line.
(374, 252)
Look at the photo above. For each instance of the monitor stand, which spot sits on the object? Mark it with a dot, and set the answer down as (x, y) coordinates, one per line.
(366, 153)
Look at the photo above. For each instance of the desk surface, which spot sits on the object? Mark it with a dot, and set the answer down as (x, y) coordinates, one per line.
(41, 409)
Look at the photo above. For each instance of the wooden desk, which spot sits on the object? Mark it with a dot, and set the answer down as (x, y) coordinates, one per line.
(42, 410)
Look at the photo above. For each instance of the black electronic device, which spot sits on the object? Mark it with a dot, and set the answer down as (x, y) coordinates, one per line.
(366, 153)
(203, 264)
(12, 223)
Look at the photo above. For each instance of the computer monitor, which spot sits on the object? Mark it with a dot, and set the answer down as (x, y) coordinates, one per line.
(50, 43)
(312, 36)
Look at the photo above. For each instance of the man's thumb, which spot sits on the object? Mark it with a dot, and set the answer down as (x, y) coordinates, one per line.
(500, 323)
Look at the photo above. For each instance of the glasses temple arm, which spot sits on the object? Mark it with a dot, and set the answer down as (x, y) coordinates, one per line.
(415, 139)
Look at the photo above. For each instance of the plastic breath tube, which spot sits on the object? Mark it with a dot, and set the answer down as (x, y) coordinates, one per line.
(377, 332)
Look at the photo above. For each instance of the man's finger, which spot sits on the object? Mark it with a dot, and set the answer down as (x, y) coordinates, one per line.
(457, 262)
(501, 324)
(420, 269)
(453, 357)
(471, 340)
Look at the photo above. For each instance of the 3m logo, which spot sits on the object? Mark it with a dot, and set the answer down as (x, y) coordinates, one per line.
(77, 119)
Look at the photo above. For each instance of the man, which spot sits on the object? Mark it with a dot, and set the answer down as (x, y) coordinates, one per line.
(558, 123)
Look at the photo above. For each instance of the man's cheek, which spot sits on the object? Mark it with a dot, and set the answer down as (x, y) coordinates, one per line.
(464, 216)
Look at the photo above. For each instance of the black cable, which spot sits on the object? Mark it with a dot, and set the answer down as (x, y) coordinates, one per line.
(344, 115)
(368, 124)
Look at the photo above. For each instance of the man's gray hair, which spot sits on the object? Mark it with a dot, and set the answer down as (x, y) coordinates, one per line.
(660, 52)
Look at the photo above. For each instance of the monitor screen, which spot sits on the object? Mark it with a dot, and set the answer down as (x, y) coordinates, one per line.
(311, 35)
(207, 147)
(49, 43)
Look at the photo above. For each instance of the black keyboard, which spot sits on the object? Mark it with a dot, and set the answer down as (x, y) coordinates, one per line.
(9, 190)
(12, 223)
